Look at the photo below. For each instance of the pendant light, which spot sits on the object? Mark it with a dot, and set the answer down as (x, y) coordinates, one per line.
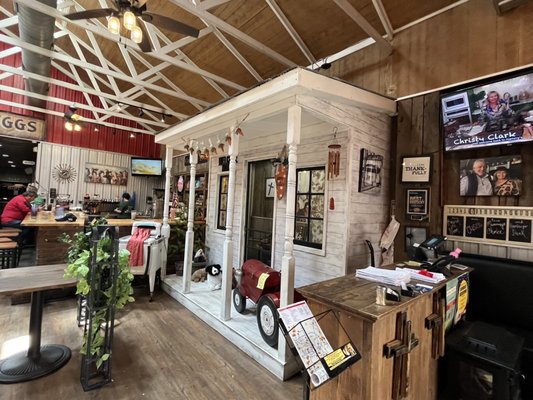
(113, 25)
(136, 34)
(129, 20)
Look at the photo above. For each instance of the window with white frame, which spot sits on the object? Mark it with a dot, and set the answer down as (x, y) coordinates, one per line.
(309, 221)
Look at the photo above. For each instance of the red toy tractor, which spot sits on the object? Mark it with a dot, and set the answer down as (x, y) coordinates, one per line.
(261, 284)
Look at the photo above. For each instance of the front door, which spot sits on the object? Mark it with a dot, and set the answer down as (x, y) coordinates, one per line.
(259, 211)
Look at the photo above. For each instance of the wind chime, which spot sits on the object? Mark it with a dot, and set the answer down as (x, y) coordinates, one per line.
(334, 157)
(282, 168)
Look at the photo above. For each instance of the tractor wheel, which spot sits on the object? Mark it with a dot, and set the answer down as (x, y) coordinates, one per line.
(267, 321)
(239, 301)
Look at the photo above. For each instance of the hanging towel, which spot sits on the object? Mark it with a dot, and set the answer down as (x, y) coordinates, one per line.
(136, 246)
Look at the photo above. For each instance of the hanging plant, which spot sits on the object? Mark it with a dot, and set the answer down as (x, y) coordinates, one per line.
(78, 259)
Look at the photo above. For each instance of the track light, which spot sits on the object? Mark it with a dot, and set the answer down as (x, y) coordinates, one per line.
(119, 107)
(162, 117)
(141, 112)
(132, 135)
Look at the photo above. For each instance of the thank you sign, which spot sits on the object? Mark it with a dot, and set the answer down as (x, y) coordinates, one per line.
(21, 126)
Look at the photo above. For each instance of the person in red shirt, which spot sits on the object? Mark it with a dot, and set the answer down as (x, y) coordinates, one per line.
(16, 210)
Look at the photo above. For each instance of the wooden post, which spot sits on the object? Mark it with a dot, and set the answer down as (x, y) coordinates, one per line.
(165, 229)
(227, 261)
(189, 236)
(294, 122)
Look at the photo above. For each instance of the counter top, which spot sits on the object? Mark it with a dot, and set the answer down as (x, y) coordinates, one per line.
(358, 296)
(46, 218)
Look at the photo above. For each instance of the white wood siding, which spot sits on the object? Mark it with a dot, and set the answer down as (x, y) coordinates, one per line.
(50, 155)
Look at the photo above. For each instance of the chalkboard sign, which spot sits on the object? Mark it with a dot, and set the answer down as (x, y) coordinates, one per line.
(496, 228)
(455, 226)
(475, 227)
(520, 230)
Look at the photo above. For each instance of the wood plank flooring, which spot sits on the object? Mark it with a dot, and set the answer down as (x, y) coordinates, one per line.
(161, 351)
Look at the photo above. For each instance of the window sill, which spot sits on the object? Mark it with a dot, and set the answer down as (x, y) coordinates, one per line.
(310, 250)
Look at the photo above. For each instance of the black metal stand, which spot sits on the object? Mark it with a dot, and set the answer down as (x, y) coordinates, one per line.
(100, 310)
(39, 360)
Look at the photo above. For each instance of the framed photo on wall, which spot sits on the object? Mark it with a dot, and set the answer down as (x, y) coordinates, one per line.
(417, 203)
(416, 169)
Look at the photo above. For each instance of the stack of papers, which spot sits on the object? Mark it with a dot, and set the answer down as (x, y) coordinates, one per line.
(385, 276)
(431, 277)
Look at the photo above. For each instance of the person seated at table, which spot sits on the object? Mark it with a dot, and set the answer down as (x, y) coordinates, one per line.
(16, 210)
(124, 207)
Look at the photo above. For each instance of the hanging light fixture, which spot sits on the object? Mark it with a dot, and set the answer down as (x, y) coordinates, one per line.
(334, 157)
(136, 34)
(129, 20)
(72, 119)
(113, 25)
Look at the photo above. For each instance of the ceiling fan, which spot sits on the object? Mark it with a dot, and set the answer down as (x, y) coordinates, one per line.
(134, 16)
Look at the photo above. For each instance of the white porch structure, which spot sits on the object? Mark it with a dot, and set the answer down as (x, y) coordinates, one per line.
(300, 109)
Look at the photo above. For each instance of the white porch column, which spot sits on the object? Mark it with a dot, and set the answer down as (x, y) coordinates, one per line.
(165, 229)
(189, 236)
(294, 122)
(227, 261)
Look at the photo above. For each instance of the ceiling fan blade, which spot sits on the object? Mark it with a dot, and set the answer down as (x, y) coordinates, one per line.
(97, 13)
(170, 24)
(146, 43)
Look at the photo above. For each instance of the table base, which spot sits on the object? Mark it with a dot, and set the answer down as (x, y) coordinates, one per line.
(20, 368)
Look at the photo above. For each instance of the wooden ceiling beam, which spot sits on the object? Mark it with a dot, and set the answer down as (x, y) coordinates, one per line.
(363, 24)
(384, 18)
(125, 41)
(225, 27)
(79, 88)
(290, 29)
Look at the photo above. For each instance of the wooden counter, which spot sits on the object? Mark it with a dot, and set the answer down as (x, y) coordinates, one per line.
(371, 327)
(48, 250)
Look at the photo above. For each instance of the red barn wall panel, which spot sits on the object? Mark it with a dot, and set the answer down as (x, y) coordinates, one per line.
(106, 138)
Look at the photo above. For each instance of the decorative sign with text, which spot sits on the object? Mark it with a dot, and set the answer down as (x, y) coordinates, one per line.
(416, 169)
(21, 127)
(505, 226)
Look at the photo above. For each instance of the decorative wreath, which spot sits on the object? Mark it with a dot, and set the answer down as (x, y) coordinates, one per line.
(64, 173)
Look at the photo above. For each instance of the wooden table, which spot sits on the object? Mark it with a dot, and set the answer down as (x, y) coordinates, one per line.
(372, 328)
(39, 360)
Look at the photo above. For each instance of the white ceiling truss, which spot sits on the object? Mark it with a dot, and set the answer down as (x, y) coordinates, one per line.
(103, 78)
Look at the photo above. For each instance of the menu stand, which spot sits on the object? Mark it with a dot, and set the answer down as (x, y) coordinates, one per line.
(319, 360)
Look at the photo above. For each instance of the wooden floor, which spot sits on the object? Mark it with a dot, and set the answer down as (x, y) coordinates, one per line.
(161, 351)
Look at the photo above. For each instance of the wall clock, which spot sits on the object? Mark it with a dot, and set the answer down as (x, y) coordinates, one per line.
(64, 173)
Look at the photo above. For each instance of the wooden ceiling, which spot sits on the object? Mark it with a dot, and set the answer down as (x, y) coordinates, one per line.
(241, 43)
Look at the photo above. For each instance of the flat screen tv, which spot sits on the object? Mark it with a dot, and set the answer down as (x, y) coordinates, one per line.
(494, 112)
(146, 166)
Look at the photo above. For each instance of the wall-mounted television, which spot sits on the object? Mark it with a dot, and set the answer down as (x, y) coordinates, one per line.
(146, 166)
(493, 112)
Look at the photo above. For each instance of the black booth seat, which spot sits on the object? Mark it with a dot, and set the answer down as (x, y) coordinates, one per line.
(499, 315)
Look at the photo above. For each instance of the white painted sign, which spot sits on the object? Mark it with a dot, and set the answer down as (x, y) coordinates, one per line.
(21, 126)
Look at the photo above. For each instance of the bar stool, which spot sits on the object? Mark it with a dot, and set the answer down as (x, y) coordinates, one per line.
(9, 254)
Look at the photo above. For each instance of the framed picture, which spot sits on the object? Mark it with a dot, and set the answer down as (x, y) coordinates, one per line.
(414, 235)
(270, 189)
(417, 202)
(370, 174)
(491, 176)
(416, 169)
(96, 173)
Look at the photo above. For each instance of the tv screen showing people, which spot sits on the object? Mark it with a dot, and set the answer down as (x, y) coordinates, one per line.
(492, 176)
(496, 113)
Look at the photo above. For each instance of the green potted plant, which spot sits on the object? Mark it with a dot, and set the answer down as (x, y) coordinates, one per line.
(78, 260)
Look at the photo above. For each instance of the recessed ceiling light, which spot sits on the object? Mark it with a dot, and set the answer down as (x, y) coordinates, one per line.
(13, 166)
(10, 162)
(5, 155)
(1, 144)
